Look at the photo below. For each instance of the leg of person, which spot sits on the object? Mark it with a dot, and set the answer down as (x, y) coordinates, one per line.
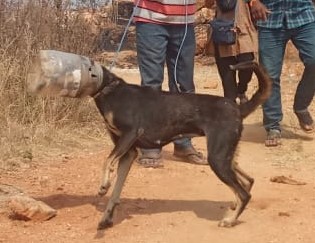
(184, 150)
(180, 56)
(150, 158)
(180, 66)
(151, 53)
(151, 43)
(228, 76)
(304, 41)
(272, 44)
(244, 76)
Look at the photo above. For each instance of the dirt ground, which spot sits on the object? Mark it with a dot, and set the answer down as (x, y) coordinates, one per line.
(181, 202)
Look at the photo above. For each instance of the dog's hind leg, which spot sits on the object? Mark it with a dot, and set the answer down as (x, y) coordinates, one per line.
(246, 180)
(124, 165)
(220, 156)
(122, 145)
(229, 177)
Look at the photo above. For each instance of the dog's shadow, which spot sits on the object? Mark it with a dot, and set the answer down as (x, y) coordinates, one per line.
(210, 210)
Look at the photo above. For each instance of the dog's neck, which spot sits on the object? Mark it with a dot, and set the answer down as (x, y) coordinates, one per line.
(110, 81)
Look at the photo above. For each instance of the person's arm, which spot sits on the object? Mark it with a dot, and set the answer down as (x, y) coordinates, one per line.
(210, 3)
(258, 9)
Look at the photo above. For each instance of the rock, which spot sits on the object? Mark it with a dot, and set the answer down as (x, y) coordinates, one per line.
(286, 180)
(25, 207)
(6, 191)
(286, 214)
(21, 206)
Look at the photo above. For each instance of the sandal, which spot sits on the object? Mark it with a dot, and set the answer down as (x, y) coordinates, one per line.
(305, 120)
(190, 155)
(273, 138)
(151, 159)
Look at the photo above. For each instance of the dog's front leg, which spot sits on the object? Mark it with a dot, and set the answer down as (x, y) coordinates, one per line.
(108, 168)
(122, 172)
(122, 145)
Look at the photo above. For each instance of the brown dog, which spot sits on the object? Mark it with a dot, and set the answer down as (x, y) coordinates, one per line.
(143, 117)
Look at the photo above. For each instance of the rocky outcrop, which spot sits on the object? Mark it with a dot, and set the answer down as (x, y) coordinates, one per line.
(18, 205)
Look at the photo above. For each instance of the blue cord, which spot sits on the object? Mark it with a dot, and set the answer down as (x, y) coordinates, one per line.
(179, 50)
(123, 37)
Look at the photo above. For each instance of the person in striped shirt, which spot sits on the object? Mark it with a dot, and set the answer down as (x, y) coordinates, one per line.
(279, 22)
(165, 35)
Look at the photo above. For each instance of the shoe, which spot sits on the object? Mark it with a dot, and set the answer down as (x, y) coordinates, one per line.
(305, 120)
(190, 155)
(151, 159)
(273, 138)
(242, 98)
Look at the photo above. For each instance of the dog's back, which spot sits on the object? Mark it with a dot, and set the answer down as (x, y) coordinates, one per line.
(164, 115)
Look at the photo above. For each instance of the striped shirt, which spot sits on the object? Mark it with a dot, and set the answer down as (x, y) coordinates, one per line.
(165, 11)
(288, 14)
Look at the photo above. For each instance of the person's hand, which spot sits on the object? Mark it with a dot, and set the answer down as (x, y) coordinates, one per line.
(209, 3)
(258, 10)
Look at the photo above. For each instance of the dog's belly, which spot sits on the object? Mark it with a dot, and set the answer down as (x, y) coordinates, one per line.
(158, 142)
(148, 144)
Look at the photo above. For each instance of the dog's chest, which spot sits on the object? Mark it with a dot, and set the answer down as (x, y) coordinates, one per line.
(109, 122)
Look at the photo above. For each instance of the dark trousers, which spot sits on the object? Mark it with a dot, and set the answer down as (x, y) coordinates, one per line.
(158, 45)
(231, 87)
(272, 45)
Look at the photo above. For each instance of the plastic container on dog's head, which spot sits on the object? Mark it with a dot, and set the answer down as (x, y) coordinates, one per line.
(64, 74)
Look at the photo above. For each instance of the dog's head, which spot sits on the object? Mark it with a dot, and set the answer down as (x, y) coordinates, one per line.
(58, 73)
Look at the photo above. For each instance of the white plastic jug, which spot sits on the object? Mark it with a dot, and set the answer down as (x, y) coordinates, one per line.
(64, 74)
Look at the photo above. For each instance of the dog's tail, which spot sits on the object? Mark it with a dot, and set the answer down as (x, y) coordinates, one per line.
(264, 86)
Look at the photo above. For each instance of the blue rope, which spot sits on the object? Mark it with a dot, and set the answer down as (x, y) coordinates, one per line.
(179, 51)
(123, 37)
(178, 54)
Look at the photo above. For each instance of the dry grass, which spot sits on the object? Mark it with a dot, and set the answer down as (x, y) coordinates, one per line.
(29, 120)
(30, 126)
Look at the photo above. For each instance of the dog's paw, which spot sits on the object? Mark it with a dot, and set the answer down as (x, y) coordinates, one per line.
(104, 224)
(227, 222)
(103, 189)
(233, 206)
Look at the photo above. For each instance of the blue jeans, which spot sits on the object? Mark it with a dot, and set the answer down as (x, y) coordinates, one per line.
(272, 44)
(158, 45)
